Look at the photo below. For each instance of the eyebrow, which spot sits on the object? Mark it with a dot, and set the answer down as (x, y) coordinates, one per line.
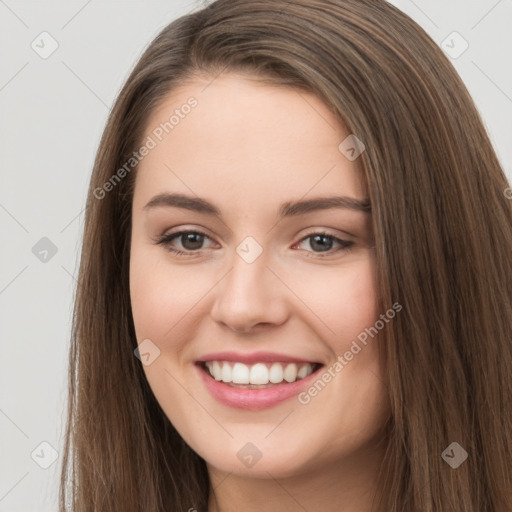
(287, 209)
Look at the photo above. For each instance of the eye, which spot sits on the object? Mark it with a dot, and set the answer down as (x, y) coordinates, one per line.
(192, 241)
(323, 242)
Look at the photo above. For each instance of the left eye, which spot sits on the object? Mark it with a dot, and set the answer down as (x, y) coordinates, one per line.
(192, 241)
(318, 240)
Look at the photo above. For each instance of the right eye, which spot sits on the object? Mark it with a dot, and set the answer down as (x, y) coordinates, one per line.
(192, 238)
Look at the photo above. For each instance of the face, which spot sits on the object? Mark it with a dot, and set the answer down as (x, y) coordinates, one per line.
(252, 330)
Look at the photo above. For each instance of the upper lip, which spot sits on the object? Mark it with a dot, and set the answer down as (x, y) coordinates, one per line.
(254, 357)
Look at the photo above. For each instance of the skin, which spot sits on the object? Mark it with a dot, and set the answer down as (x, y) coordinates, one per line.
(248, 147)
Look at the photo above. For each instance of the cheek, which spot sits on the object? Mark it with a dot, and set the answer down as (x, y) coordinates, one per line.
(357, 301)
(344, 299)
(163, 299)
(161, 294)
(146, 290)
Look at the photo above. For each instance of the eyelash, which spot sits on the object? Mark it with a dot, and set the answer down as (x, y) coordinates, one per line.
(165, 241)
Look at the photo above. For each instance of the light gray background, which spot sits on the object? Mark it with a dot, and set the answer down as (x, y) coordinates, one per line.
(52, 114)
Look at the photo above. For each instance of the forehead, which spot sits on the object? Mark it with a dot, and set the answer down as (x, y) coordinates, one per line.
(246, 142)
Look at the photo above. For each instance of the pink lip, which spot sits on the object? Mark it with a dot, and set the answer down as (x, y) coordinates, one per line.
(253, 399)
(255, 357)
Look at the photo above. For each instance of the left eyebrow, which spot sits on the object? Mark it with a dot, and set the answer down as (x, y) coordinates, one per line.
(287, 209)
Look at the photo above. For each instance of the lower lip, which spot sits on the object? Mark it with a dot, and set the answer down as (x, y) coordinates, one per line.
(254, 399)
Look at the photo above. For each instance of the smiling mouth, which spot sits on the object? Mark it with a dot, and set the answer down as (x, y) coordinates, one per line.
(260, 375)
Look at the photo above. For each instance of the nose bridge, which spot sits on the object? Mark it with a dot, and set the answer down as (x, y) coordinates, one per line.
(250, 293)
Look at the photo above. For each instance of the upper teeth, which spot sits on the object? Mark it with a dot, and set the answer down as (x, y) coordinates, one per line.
(259, 373)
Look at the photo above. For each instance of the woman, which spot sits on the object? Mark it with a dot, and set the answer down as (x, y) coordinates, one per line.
(294, 291)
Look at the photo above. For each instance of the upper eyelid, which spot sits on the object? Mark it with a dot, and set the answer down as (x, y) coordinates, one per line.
(310, 230)
(168, 237)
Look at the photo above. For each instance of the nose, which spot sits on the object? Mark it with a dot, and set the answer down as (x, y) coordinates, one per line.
(250, 296)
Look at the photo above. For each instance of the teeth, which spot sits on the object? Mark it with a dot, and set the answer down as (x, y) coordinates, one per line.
(303, 372)
(217, 370)
(259, 373)
(240, 374)
(290, 373)
(276, 373)
(225, 374)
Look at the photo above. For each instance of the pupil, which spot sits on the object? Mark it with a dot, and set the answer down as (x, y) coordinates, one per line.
(190, 238)
(321, 246)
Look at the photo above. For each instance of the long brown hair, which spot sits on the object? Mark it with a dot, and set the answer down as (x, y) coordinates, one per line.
(443, 235)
